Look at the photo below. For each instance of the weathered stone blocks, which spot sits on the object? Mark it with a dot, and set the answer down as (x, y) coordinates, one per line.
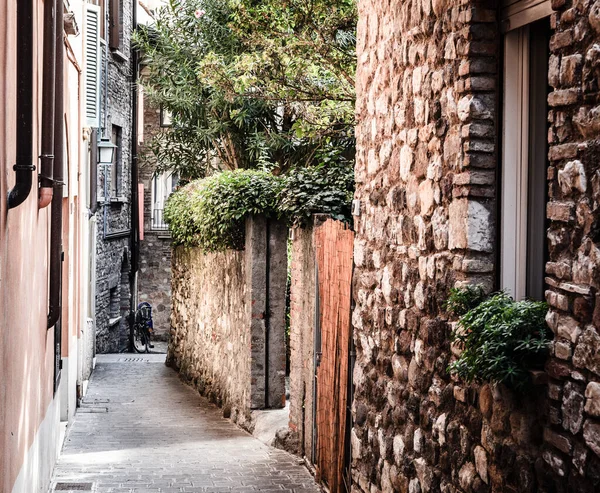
(228, 321)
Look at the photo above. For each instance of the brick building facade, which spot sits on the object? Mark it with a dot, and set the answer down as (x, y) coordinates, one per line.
(471, 169)
(114, 213)
(154, 280)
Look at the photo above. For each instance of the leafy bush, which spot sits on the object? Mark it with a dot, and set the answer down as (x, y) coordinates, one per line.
(461, 300)
(502, 339)
(324, 189)
(210, 213)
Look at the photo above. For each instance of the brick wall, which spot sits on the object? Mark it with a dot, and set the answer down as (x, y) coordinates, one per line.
(154, 279)
(427, 133)
(228, 321)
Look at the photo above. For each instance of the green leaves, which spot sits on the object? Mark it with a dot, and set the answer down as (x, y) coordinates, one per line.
(326, 188)
(254, 85)
(501, 339)
(210, 213)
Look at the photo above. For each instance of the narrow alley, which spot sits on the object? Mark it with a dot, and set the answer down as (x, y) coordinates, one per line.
(141, 429)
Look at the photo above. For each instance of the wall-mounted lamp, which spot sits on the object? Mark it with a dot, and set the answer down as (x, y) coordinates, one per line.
(106, 152)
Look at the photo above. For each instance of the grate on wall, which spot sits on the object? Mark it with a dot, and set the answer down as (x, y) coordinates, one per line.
(70, 487)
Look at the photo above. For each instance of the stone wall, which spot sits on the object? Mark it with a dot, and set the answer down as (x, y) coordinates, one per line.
(427, 89)
(113, 252)
(210, 338)
(572, 431)
(154, 278)
(228, 321)
(303, 296)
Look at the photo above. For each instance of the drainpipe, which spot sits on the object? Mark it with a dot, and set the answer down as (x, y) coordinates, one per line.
(94, 172)
(57, 197)
(24, 167)
(48, 90)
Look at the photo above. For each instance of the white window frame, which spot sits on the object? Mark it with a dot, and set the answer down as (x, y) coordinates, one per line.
(161, 190)
(513, 272)
(516, 149)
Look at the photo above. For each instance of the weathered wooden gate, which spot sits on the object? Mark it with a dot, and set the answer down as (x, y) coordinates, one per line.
(334, 249)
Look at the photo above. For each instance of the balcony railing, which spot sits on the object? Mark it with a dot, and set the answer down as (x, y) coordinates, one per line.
(158, 222)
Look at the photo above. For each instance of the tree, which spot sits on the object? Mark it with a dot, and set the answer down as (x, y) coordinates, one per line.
(251, 84)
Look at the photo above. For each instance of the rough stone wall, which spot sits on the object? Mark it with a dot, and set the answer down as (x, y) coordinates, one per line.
(154, 278)
(303, 296)
(210, 338)
(427, 92)
(572, 433)
(113, 256)
(228, 321)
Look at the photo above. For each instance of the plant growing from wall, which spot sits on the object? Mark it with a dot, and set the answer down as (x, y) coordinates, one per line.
(210, 213)
(501, 339)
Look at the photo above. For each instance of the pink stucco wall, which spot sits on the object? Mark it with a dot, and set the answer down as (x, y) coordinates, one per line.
(26, 347)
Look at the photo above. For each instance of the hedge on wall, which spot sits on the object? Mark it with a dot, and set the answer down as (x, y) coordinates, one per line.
(210, 213)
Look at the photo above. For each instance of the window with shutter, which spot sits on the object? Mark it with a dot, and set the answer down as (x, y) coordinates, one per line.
(92, 65)
(116, 24)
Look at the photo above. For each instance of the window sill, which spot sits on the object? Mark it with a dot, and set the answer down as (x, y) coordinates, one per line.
(114, 321)
(119, 199)
(119, 56)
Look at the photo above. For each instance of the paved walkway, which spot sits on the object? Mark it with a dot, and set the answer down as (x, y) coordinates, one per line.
(141, 430)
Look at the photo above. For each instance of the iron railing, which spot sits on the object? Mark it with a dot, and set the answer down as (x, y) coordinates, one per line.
(158, 222)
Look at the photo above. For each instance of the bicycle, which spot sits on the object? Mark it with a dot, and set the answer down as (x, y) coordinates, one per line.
(142, 329)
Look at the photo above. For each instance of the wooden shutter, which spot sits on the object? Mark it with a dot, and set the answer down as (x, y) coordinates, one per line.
(115, 24)
(92, 65)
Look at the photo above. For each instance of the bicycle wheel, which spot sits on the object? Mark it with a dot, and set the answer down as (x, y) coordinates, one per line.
(139, 339)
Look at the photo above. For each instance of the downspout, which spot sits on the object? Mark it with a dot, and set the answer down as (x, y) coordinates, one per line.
(24, 166)
(48, 101)
(57, 197)
(94, 172)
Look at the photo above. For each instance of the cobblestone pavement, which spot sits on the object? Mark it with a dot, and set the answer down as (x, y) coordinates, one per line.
(141, 430)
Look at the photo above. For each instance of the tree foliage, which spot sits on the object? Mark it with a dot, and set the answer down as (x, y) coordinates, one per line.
(265, 85)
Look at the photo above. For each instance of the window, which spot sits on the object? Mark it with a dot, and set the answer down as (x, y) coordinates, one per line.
(116, 177)
(163, 185)
(116, 24)
(166, 118)
(524, 160)
(102, 5)
(92, 62)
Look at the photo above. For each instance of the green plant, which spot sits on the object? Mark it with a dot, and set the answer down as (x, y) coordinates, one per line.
(461, 300)
(210, 213)
(261, 85)
(327, 188)
(502, 339)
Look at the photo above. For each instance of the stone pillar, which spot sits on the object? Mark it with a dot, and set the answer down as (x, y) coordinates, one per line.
(276, 294)
(266, 268)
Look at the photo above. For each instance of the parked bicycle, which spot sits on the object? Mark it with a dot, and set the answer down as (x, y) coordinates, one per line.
(142, 329)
